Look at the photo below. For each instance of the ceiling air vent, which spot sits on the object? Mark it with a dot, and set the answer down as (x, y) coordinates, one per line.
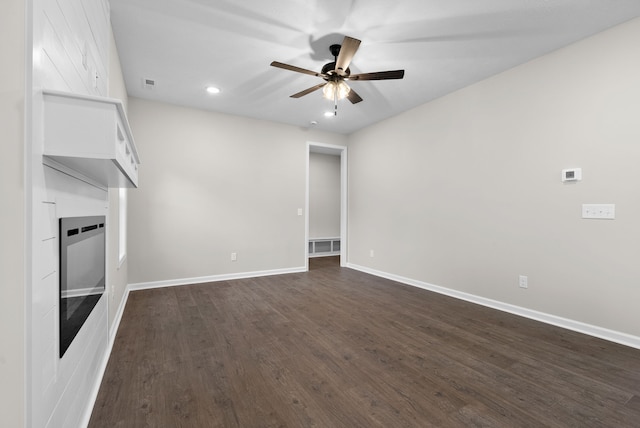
(148, 83)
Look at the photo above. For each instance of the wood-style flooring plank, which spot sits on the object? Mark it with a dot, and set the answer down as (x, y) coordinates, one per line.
(334, 347)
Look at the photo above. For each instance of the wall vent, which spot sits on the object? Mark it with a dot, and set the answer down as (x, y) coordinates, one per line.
(148, 83)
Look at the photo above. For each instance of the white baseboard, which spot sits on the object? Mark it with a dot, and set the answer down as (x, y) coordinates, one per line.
(159, 284)
(105, 359)
(118, 317)
(580, 327)
(213, 278)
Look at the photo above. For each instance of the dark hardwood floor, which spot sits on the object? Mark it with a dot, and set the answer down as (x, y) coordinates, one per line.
(338, 348)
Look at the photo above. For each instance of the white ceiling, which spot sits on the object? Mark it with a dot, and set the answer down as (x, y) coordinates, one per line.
(444, 45)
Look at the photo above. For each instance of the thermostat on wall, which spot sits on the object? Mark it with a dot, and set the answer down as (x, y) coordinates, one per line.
(573, 174)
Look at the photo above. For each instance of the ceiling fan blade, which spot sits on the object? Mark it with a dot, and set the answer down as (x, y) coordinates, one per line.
(308, 90)
(296, 69)
(347, 51)
(353, 97)
(379, 75)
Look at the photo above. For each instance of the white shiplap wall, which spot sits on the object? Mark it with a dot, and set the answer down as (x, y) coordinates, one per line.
(75, 45)
(70, 53)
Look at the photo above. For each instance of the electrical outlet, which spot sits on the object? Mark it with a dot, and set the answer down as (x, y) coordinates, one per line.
(523, 281)
(234, 257)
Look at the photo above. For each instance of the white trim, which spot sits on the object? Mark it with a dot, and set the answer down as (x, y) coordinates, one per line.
(123, 199)
(344, 213)
(306, 209)
(213, 278)
(118, 317)
(160, 284)
(342, 152)
(105, 360)
(580, 327)
(602, 333)
(121, 261)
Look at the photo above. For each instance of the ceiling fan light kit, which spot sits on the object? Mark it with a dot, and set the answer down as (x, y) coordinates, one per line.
(335, 73)
(336, 89)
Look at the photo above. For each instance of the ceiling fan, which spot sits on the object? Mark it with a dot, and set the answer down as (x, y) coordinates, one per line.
(337, 72)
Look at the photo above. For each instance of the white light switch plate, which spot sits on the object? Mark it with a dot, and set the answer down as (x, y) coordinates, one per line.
(601, 211)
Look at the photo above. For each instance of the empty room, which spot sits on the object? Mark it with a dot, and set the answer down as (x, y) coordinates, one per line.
(343, 213)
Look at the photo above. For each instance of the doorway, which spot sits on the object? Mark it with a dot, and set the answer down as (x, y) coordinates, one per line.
(341, 153)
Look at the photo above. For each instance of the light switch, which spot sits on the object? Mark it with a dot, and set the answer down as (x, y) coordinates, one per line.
(299, 211)
(599, 211)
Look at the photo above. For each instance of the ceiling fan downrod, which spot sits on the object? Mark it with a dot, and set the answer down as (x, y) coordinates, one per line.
(335, 51)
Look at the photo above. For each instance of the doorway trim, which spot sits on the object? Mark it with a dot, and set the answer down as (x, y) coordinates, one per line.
(330, 149)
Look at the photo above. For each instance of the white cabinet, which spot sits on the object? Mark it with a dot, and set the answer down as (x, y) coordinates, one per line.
(91, 136)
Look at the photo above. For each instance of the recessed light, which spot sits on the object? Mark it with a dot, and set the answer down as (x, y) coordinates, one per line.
(213, 90)
(313, 122)
(328, 114)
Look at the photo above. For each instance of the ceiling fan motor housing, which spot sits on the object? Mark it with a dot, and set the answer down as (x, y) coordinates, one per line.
(330, 70)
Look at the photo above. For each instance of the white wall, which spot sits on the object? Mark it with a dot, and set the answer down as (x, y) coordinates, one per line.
(12, 224)
(465, 192)
(212, 184)
(324, 196)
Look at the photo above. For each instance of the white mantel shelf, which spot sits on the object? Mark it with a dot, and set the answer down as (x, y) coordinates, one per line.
(90, 135)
